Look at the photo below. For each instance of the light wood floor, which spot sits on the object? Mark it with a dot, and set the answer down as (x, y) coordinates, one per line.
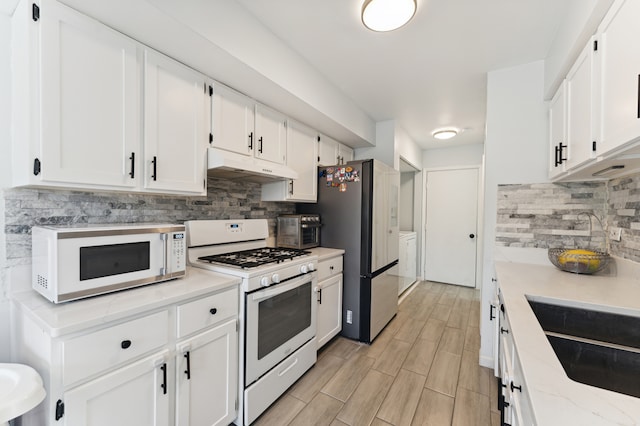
(421, 370)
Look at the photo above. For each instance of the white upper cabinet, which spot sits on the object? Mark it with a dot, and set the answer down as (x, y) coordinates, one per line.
(176, 131)
(232, 120)
(580, 108)
(558, 132)
(619, 37)
(271, 135)
(331, 152)
(302, 152)
(90, 112)
(89, 100)
(242, 126)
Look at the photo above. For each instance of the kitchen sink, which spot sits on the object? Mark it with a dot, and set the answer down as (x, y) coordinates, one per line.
(600, 349)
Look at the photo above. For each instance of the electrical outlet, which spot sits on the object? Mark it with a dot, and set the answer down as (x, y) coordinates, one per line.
(349, 316)
(615, 234)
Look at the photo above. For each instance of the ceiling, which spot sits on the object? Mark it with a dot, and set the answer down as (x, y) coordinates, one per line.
(429, 74)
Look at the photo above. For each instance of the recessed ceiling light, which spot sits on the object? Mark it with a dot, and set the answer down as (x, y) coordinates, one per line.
(445, 133)
(387, 15)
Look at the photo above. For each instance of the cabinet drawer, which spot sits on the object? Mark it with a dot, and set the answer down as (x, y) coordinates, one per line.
(209, 310)
(86, 355)
(329, 267)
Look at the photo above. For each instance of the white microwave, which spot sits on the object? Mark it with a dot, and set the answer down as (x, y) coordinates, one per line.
(78, 262)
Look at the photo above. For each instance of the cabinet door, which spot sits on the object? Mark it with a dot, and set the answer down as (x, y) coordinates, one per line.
(175, 125)
(130, 396)
(232, 121)
(302, 152)
(89, 111)
(329, 313)
(207, 377)
(327, 151)
(619, 36)
(271, 133)
(557, 132)
(579, 107)
(345, 154)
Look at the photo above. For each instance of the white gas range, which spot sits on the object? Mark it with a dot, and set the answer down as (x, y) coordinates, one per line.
(277, 305)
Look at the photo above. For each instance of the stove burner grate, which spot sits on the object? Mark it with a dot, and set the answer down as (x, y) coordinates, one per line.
(255, 257)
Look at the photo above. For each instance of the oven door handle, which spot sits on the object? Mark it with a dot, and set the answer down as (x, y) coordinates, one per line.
(281, 288)
(310, 225)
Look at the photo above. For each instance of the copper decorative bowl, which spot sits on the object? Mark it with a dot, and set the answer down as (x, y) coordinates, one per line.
(579, 261)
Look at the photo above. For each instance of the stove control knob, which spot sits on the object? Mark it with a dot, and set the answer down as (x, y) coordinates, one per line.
(275, 278)
(264, 282)
(304, 269)
(311, 267)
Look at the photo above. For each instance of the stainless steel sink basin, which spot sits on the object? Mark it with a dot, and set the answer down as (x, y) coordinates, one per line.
(596, 348)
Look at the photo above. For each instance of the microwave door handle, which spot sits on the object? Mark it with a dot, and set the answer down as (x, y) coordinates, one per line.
(164, 238)
(266, 294)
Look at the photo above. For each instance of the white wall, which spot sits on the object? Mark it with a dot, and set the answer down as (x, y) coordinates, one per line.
(464, 155)
(578, 26)
(515, 152)
(5, 157)
(407, 201)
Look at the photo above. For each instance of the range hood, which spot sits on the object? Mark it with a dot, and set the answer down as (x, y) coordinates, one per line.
(231, 165)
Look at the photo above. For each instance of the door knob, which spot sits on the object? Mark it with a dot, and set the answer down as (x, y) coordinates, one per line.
(472, 236)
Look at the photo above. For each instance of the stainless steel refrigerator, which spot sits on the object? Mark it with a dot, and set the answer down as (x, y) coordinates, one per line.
(358, 207)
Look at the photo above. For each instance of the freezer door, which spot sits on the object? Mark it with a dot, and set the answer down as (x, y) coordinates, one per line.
(384, 299)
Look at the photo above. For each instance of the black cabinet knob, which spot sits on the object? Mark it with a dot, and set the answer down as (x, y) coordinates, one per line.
(213, 311)
(472, 236)
(125, 344)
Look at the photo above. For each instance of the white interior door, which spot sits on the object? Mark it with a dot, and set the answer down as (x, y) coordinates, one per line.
(451, 222)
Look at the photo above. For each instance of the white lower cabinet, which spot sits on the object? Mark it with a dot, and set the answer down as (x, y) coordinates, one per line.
(329, 297)
(176, 365)
(516, 408)
(130, 396)
(206, 378)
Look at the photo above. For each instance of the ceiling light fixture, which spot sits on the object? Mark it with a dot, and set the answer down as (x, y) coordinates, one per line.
(387, 15)
(445, 133)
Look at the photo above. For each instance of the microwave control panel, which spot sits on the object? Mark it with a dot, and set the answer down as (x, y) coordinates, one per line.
(178, 250)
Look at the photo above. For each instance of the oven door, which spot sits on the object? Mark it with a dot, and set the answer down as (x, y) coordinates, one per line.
(279, 320)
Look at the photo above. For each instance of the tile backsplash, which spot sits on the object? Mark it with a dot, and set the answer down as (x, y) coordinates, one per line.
(547, 215)
(225, 199)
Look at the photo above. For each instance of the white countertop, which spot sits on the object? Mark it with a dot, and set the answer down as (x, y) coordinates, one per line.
(69, 317)
(555, 398)
(325, 253)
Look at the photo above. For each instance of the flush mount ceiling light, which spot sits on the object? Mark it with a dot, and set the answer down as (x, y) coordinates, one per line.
(445, 133)
(387, 15)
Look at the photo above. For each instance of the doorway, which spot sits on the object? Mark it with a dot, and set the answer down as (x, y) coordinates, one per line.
(451, 224)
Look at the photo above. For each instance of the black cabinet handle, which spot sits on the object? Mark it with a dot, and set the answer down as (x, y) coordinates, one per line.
(213, 311)
(260, 140)
(638, 115)
(155, 168)
(291, 187)
(125, 344)
(188, 370)
(320, 296)
(491, 315)
(133, 165)
(557, 150)
(251, 140)
(562, 158)
(163, 367)
(472, 236)
(516, 387)
(504, 330)
(502, 307)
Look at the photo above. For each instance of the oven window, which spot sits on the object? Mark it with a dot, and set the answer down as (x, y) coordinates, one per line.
(282, 317)
(113, 259)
